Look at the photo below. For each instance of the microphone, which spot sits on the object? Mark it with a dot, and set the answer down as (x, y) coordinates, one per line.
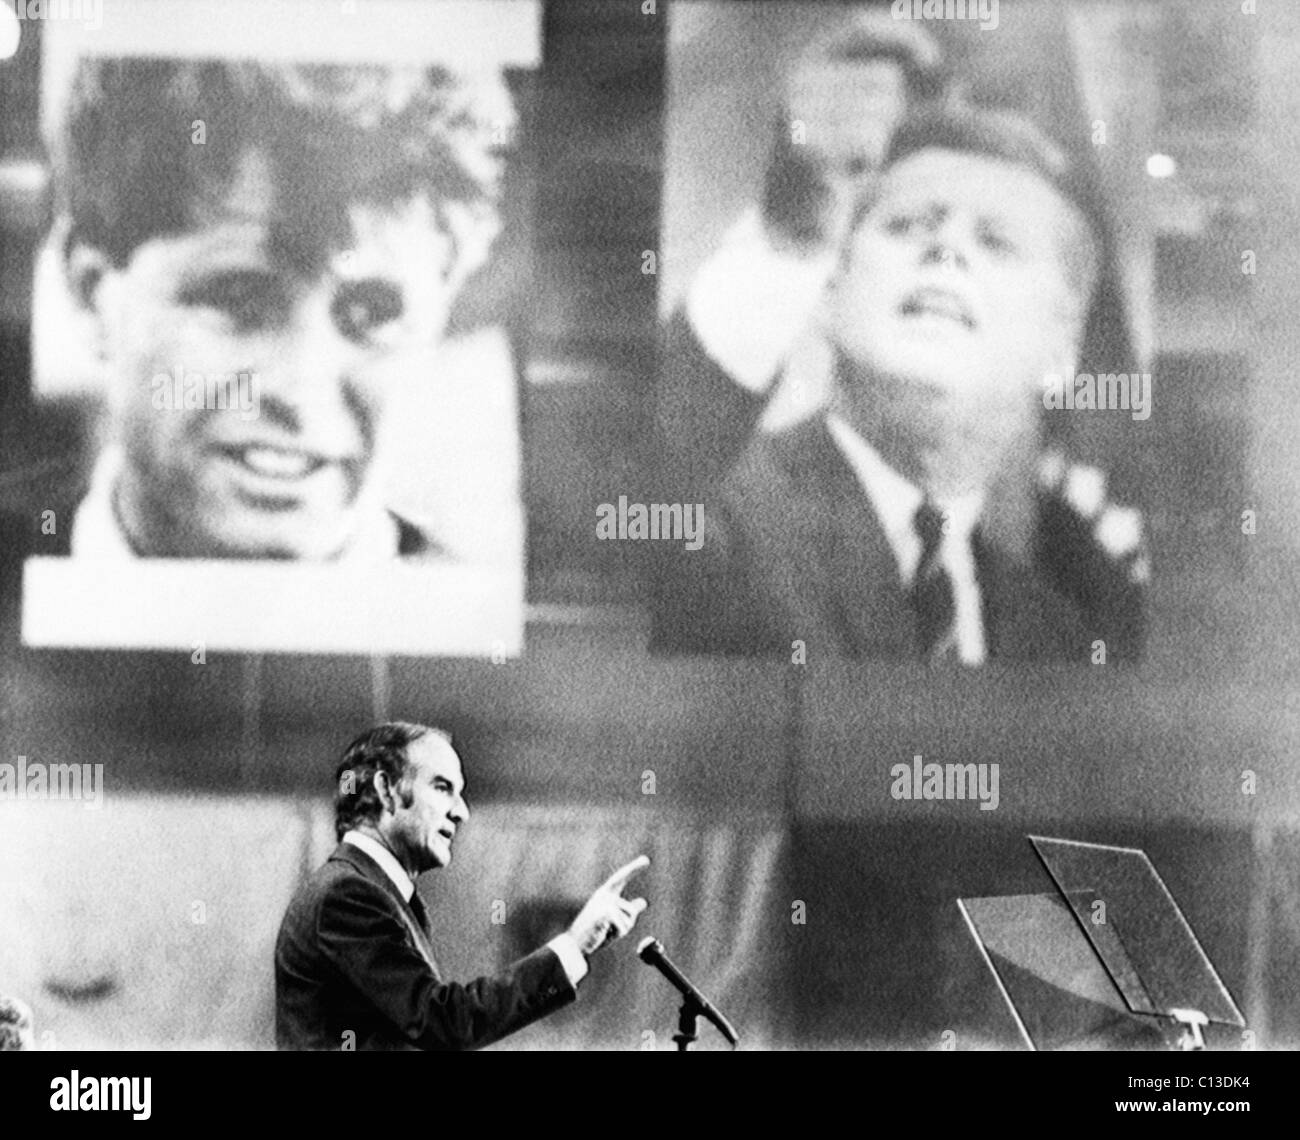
(651, 951)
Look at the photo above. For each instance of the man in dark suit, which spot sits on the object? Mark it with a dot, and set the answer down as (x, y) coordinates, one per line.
(354, 967)
(914, 517)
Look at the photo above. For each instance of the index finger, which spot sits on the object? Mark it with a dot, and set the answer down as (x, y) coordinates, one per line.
(616, 881)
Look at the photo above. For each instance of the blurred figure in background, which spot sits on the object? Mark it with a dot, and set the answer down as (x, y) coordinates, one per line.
(841, 102)
(16, 1032)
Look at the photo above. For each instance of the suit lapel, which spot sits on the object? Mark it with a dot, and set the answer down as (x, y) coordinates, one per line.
(366, 866)
(860, 595)
(420, 937)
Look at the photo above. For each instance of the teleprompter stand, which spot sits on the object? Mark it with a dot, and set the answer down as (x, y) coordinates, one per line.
(1106, 962)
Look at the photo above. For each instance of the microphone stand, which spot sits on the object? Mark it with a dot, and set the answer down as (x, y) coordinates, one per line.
(694, 1003)
(687, 1024)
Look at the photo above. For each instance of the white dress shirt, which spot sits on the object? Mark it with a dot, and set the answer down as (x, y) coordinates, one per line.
(387, 862)
(564, 945)
(896, 501)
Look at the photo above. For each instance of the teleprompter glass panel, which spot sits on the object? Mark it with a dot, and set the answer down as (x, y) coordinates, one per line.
(1059, 993)
(1136, 927)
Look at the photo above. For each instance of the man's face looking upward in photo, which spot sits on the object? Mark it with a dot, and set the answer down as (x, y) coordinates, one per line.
(964, 284)
(321, 289)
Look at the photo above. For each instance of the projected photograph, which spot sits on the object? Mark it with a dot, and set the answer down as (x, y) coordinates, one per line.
(948, 366)
(261, 305)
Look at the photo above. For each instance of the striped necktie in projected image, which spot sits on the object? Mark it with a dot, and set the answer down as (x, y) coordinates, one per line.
(932, 595)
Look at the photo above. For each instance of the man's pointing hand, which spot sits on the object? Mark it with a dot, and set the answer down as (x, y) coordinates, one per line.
(607, 915)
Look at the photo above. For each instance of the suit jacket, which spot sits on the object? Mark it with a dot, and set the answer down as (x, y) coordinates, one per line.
(793, 549)
(352, 957)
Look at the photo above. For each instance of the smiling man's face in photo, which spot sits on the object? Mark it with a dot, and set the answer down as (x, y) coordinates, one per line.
(302, 251)
(321, 338)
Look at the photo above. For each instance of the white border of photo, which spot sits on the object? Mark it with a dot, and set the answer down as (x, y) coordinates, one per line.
(273, 607)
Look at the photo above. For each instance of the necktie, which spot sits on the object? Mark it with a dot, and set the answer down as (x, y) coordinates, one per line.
(421, 915)
(932, 587)
(421, 925)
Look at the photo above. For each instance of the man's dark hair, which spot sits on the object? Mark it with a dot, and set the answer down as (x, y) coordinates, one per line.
(147, 144)
(1013, 138)
(378, 749)
(995, 133)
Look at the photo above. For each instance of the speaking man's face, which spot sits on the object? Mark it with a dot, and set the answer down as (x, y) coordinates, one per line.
(423, 831)
(320, 336)
(953, 303)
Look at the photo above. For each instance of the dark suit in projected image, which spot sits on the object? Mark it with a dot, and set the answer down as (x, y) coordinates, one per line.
(916, 514)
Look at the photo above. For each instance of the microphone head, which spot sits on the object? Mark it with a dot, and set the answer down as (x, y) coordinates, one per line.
(649, 948)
